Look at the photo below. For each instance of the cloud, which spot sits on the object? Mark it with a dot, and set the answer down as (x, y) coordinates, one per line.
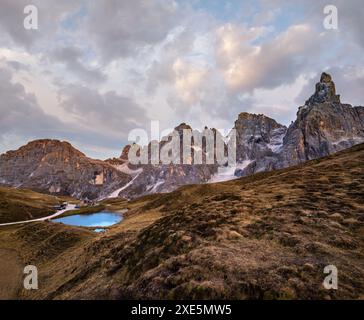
(123, 28)
(17, 66)
(22, 119)
(351, 18)
(20, 112)
(50, 15)
(11, 22)
(107, 112)
(71, 57)
(188, 80)
(213, 84)
(278, 61)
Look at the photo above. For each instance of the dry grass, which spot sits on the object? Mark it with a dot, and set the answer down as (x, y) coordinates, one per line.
(11, 274)
(21, 204)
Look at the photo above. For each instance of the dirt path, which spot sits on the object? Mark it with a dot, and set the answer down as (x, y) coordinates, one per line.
(58, 213)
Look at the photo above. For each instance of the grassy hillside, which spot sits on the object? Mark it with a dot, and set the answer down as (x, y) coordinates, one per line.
(265, 236)
(21, 204)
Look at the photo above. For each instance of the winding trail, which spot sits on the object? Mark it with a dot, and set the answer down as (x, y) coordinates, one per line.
(58, 213)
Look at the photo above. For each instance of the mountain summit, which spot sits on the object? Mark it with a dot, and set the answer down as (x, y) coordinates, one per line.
(56, 167)
(325, 91)
(323, 126)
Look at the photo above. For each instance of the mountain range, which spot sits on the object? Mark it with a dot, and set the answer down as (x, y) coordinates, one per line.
(323, 126)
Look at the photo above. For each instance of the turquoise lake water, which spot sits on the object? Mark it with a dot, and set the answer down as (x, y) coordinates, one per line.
(100, 219)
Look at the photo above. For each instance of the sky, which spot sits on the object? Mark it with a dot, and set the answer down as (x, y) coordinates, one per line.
(95, 70)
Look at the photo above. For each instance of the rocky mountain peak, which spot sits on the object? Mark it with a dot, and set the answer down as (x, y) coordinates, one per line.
(323, 126)
(56, 167)
(257, 136)
(325, 78)
(247, 115)
(325, 91)
(125, 153)
(255, 124)
(181, 127)
(46, 146)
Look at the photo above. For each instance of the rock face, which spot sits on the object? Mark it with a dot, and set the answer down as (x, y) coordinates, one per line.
(323, 126)
(125, 152)
(259, 139)
(156, 178)
(325, 91)
(166, 178)
(257, 136)
(55, 167)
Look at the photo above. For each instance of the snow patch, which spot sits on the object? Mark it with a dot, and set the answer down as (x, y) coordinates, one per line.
(228, 173)
(115, 194)
(355, 139)
(153, 188)
(277, 142)
(125, 169)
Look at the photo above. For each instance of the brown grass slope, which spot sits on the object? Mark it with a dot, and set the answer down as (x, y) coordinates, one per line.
(22, 204)
(265, 236)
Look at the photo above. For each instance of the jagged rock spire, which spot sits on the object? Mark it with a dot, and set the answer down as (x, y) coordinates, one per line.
(125, 153)
(325, 91)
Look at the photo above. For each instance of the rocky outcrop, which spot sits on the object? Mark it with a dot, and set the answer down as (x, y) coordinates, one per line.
(125, 153)
(323, 126)
(157, 178)
(257, 136)
(325, 91)
(55, 167)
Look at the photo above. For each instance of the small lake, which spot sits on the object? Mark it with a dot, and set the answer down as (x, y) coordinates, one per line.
(100, 219)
